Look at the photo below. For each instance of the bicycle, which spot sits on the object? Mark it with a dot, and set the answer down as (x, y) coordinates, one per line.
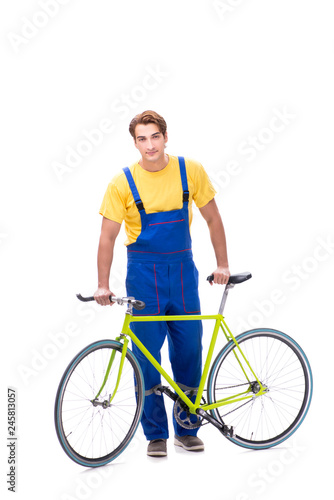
(259, 388)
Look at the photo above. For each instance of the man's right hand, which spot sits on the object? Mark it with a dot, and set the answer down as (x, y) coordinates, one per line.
(102, 297)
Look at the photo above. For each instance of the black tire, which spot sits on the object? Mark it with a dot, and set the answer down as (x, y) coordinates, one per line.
(95, 435)
(281, 365)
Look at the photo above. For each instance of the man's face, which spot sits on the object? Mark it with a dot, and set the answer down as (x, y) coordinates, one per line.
(150, 142)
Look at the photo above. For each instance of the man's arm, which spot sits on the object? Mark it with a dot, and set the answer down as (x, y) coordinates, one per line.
(212, 216)
(109, 233)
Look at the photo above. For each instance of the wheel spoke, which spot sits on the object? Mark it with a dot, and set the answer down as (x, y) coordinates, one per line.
(282, 368)
(93, 434)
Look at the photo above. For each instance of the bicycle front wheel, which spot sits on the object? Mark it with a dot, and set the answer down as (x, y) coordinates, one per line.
(282, 368)
(93, 430)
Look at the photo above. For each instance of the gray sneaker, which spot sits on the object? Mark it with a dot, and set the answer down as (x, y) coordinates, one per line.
(157, 448)
(189, 443)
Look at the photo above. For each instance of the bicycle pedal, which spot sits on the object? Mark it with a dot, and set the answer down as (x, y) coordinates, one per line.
(161, 389)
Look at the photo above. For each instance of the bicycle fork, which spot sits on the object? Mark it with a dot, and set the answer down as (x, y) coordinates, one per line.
(107, 403)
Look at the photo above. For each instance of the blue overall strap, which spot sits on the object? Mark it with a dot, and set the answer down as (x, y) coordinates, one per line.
(134, 189)
(183, 173)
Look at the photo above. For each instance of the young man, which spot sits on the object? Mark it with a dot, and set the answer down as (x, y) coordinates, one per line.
(154, 199)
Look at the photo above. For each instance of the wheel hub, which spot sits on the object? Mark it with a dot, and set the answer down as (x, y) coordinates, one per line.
(105, 404)
(256, 387)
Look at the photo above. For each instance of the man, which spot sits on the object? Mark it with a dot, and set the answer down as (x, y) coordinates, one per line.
(154, 199)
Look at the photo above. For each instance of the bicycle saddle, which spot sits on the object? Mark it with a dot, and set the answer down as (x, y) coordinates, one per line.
(235, 279)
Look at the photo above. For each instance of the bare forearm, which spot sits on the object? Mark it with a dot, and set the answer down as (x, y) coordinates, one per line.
(104, 260)
(218, 239)
(105, 253)
(212, 216)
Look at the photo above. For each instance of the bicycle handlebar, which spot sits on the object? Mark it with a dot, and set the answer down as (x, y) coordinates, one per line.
(234, 279)
(137, 304)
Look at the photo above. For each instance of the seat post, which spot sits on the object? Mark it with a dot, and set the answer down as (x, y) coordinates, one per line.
(224, 298)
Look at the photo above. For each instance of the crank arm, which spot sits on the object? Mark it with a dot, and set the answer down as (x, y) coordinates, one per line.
(226, 430)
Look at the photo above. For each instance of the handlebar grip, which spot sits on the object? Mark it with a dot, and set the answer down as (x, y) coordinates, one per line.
(89, 299)
(84, 299)
(137, 304)
(210, 278)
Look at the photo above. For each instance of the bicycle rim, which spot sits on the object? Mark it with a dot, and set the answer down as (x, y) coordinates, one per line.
(282, 367)
(91, 434)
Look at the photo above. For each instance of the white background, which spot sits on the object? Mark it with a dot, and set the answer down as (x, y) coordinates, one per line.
(223, 71)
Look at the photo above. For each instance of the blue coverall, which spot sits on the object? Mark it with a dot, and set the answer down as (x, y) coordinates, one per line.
(161, 272)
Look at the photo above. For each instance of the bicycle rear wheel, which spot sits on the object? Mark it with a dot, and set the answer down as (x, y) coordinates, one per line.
(94, 431)
(282, 367)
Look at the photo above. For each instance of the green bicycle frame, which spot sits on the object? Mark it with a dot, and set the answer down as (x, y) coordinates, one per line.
(219, 323)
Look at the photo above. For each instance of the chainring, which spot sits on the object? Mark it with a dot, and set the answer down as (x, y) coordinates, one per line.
(183, 416)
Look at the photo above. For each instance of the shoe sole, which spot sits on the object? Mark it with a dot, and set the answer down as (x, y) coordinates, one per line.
(199, 447)
(157, 454)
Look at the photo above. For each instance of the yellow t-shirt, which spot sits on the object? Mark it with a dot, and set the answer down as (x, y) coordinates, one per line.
(159, 191)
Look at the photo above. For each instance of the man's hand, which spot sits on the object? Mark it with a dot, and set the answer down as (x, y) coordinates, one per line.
(102, 297)
(221, 276)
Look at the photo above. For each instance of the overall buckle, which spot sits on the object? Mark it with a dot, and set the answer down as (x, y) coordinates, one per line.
(185, 196)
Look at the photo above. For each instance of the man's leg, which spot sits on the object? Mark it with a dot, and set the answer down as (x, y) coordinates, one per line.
(147, 282)
(154, 418)
(185, 351)
(185, 337)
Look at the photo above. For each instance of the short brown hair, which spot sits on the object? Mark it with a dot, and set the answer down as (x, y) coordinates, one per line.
(145, 118)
